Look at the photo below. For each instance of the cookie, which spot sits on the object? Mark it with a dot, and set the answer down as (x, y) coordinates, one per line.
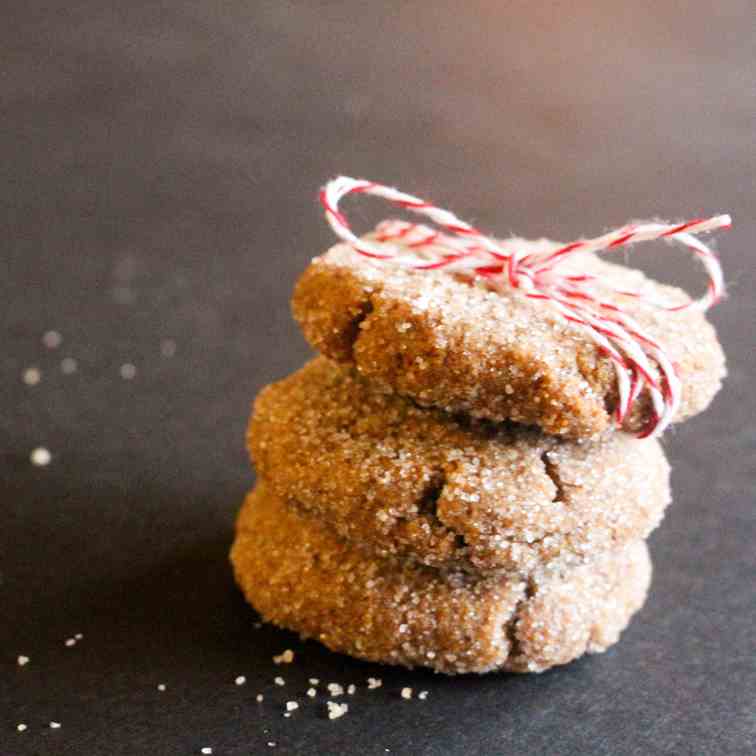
(450, 492)
(301, 576)
(447, 343)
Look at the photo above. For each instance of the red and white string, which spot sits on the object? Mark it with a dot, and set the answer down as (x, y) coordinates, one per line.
(456, 247)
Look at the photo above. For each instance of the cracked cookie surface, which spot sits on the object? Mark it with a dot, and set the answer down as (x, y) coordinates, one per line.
(450, 492)
(449, 344)
(301, 576)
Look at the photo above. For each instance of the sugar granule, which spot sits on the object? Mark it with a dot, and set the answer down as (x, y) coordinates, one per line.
(161, 687)
(240, 680)
(335, 689)
(311, 692)
(407, 693)
(128, 371)
(52, 339)
(313, 681)
(79, 636)
(31, 376)
(292, 706)
(206, 749)
(271, 743)
(279, 681)
(336, 710)
(167, 347)
(55, 725)
(351, 690)
(374, 682)
(287, 657)
(23, 660)
(68, 365)
(259, 698)
(40, 457)
(70, 642)
(422, 695)
(21, 727)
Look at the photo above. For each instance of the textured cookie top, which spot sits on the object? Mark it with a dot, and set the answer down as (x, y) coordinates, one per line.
(300, 575)
(448, 343)
(451, 492)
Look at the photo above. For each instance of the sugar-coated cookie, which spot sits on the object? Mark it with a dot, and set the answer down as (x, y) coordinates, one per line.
(300, 576)
(449, 344)
(448, 491)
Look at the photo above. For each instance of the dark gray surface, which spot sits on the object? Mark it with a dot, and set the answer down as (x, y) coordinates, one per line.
(159, 165)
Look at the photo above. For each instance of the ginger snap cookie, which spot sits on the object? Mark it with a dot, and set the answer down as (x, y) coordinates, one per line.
(450, 491)
(300, 576)
(452, 343)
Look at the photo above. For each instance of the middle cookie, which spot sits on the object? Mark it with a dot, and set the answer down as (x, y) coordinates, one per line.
(446, 491)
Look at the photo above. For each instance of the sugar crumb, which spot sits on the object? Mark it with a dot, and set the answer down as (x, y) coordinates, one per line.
(351, 690)
(21, 727)
(168, 347)
(422, 695)
(336, 710)
(206, 750)
(313, 681)
(240, 680)
(128, 371)
(259, 698)
(311, 692)
(407, 693)
(292, 706)
(287, 657)
(335, 689)
(52, 339)
(161, 687)
(279, 681)
(23, 660)
(68, 365)
(55, 725)
(40, 457)
(374, 682)
(31, 376)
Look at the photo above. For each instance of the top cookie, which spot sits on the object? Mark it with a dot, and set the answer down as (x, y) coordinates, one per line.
(446, 343)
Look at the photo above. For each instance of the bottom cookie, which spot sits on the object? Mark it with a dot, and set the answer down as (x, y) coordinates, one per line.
(300, 576)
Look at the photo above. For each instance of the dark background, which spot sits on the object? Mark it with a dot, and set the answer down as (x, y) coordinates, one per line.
(159, 165)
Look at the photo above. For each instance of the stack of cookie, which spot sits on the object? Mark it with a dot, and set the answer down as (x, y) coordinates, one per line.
(444, 486)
